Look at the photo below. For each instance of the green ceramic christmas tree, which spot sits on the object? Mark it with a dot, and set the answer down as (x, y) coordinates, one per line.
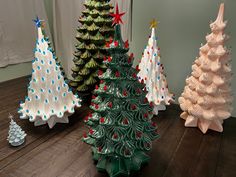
(95, 30)
(121, 129)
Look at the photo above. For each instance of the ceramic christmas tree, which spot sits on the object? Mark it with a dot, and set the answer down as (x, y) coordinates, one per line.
(95, 30)
(51, 48)
(121, 129)
(49, 98)
(206, 100)
(16, 136)
(152, 74)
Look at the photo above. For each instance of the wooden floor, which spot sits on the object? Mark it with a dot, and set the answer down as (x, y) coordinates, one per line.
(180, 152)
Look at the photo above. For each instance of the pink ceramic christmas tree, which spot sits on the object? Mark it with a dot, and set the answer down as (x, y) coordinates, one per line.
(206, 100)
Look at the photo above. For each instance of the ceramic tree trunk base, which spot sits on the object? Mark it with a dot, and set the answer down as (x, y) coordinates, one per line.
(157, 108)
(52, 121)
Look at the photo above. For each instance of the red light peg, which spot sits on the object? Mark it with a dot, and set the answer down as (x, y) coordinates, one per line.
(109, 59)
(125, 121)
(90, 115)
(116, 43)
(117, 74)
(94, 97)
(115, 136)
(126, 44)
(110, 104)
(133, 107)
(104, 58)
(105, 88)
(142, 81)
(96, 87)
(86, 119)
(139, 134)
(101, 81)
(91, 131)
(137, 68)
(125, 93)
(111, 40)
(151, 104)
(102, 120)
(96, 106)
(139, 91)
(154, 124)
(85, 135)
(107, 44)
(100, 149)
(145, 115)
(134, 75)
(100, 72)
(145, 100)
(131, 55)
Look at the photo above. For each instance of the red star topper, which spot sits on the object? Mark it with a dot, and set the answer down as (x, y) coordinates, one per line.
(117, 16)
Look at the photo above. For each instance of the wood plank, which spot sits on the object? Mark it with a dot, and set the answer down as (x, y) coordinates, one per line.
(205, 163)
(185, 154)
(226, 166)
(164, 148)
(88, 168)
(180, 151)
(52, 155)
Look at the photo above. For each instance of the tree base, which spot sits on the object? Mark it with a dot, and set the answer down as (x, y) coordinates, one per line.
(15, 144)
(158, 108)
(202, 124)
(117, 166)
(52, 121)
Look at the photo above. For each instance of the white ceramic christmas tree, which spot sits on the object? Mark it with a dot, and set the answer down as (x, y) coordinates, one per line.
(16, 136)
(49, 98)
(152, 74)
(206, 99)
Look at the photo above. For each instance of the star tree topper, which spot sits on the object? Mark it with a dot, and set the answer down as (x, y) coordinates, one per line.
(117, 16)
(153, 24)
(38, 22)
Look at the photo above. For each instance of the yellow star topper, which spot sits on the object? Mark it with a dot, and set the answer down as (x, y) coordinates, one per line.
(153, 24)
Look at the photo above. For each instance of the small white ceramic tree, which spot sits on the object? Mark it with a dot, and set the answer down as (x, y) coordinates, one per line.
(49, 98)
(206, 99)
(16, 136)
(152, 74)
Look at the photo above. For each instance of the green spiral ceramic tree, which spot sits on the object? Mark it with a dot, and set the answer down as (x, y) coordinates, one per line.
(121, 130)
(95, 30)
